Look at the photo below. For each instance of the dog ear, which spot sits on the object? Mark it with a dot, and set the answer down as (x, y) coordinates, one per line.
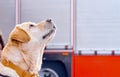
(19, 35)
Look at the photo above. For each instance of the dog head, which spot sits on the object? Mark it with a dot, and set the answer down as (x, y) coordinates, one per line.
(26, 32)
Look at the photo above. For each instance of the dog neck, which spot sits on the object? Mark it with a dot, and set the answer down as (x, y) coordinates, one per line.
(29, 60)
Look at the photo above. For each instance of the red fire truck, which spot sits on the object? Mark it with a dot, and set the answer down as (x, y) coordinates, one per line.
(97, 38)
(87, 39)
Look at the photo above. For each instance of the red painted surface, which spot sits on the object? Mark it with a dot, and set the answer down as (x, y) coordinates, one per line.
(96, 66)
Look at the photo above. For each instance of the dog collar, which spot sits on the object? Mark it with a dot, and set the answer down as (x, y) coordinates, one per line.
(20, 72)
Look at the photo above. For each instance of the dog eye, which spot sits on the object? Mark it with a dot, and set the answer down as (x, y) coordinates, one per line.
(31, 25)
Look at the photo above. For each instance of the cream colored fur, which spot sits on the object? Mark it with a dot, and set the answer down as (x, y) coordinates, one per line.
(25, 47)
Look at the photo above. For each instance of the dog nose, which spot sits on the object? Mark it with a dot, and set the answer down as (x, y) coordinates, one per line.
(48, 20)
(54, 27)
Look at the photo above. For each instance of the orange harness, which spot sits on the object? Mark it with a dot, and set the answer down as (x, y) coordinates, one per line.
(19, 71)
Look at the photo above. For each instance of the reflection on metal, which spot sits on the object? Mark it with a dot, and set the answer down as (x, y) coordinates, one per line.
(47, 72)
(55, 46)
(17, 11)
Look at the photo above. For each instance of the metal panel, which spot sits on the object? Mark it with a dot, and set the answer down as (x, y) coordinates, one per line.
(7, 17)
(50, 59)
(58, 10)
(98, 24)
(96, 66)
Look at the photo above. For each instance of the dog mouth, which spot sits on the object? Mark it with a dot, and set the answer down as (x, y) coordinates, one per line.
(48, 34)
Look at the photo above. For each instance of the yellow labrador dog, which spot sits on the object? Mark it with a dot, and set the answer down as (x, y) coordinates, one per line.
(22, 56)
